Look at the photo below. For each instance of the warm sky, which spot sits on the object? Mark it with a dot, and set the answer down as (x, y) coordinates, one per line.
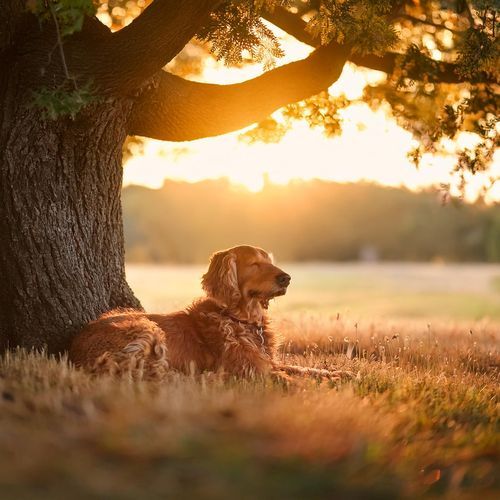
(372, 146)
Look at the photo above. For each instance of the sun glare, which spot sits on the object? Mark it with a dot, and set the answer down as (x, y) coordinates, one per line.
(372, 147)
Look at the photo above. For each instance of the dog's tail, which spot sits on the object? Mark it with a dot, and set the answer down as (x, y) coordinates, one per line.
(144, 358)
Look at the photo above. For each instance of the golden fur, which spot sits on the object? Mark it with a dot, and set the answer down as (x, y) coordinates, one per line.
(228, 331)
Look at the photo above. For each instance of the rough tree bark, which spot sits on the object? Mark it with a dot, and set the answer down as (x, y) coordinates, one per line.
(61, 236)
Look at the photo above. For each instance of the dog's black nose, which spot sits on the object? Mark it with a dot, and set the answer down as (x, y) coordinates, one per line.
(283, 279)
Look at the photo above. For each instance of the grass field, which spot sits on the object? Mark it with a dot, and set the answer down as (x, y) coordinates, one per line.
(356, 291)
(418, 418)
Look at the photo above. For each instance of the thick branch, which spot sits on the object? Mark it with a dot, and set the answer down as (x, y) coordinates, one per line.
(139, 50)
(293, 25)
(181, 110)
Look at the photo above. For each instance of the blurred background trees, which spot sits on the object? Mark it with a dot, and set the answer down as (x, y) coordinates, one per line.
(304, 221)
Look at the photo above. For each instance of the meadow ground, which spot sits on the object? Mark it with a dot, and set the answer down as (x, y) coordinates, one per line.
(359, 292)
(418, 418)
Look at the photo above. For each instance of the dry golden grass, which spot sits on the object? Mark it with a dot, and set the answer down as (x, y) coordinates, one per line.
(419, 418)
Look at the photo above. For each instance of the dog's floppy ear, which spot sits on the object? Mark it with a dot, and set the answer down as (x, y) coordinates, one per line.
(221, 280)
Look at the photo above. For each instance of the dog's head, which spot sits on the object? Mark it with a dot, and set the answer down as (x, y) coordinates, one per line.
(242, 274)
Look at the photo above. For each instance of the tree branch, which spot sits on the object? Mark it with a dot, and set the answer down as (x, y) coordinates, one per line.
(181, 110)
(445, 72)
(138, 51)
(60, 45)
(429, 23)
(176, 109)
(293, 25)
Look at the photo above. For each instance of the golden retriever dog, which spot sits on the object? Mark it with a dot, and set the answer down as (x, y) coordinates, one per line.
(228, 331)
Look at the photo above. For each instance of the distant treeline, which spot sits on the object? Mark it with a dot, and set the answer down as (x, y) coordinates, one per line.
(314, 220)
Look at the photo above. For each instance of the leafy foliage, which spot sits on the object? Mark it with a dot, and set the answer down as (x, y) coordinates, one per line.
(360, 23)
(318, 111)
(414, 65)
(70, 14)
(479, 52)
(67, 99)
(236, 29)
(477, 159)
(269, 131)
(332, 21)
(63, 101)
(446, 112)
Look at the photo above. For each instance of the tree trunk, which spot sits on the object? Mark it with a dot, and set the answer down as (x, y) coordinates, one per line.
(61, 234)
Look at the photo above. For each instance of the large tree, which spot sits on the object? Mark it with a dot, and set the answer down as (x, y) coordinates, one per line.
(72, 90)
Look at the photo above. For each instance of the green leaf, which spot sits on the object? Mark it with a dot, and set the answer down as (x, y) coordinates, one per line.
(63, 102)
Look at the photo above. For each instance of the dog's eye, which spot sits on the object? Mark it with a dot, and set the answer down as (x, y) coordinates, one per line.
(255, 264)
